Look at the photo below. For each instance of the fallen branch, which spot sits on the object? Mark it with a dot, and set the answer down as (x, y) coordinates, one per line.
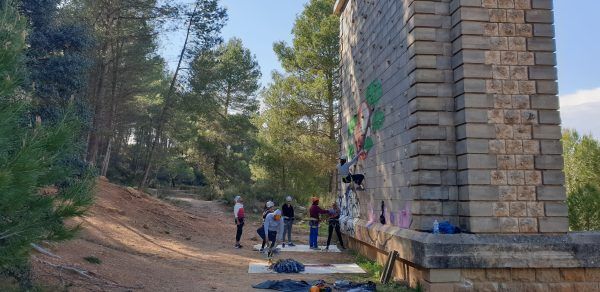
(88, 275)
(81, 272)
(44, 251)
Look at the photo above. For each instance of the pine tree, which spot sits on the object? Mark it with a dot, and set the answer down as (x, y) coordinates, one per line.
(31, 158)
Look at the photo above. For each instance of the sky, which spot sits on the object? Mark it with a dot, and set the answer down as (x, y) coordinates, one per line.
(260, 23)
(578, 48)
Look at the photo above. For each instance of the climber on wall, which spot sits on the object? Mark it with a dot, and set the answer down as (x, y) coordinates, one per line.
(344, 170)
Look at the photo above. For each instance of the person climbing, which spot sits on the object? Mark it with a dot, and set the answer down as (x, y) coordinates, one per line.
(334, 223)
(269, 207)
(344, 170)
(315, 211)
(238, 213)
(272, 229)
(288, 220)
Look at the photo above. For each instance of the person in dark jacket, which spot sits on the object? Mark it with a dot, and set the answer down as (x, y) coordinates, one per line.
(334, 223)
(288, 220)
(315, 211)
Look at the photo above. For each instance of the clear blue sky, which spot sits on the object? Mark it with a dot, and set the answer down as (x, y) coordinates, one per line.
(578, 44)
(259, 23)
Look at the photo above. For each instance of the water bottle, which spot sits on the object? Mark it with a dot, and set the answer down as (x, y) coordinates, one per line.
(436, 227)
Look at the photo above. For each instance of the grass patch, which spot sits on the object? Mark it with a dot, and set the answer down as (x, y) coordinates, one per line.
(374, 270)
(93, 260)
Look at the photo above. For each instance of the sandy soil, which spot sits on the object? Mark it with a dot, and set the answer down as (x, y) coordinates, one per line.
(148, 245)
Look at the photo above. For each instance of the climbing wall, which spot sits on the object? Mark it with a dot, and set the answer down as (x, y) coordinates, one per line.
(455, 104)
(398, 106)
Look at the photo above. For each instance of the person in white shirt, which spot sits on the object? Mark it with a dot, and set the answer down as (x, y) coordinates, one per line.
(344, 170)
(238, 213)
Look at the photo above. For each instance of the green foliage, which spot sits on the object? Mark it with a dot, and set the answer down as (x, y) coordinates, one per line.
(12, 38)
(582, 174)
(32, 161)
(582, 160)
(93, 260)
(220, 136)
(57, 59)
(298, 130)
(584, 208)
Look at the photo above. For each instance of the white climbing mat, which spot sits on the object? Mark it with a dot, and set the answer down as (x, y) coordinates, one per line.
(263, 268)
(302, 248)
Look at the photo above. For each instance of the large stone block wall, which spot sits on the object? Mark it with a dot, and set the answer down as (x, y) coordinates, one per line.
(457, 103)
(508, 150)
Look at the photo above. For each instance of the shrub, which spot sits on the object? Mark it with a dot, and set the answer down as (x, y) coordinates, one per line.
(584, 208)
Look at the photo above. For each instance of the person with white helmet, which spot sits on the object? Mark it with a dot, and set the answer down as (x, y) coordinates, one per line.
(288, 220)
(269, 208)
(344, 170)
(238, 213)
(272, 229)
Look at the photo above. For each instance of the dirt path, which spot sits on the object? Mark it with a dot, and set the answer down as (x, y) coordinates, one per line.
(145, 243)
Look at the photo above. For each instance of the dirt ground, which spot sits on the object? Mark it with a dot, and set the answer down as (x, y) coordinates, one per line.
(145, 244)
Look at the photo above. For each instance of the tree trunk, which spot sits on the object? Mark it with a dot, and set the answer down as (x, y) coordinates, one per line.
(113, 109)
(106, 158)
(283, 186)
(331, 126)
(165, 109)
(98, 96)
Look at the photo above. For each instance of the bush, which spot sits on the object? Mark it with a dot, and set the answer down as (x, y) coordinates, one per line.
(584, 208)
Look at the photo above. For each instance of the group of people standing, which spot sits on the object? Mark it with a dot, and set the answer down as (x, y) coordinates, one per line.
(277, 223)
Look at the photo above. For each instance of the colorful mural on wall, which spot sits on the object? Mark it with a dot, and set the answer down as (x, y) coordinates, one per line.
(366, 121)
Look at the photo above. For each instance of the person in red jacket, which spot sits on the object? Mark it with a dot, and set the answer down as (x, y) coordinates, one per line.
(315, 211)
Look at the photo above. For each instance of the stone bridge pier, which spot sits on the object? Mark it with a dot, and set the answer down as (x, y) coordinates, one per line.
(456, 103)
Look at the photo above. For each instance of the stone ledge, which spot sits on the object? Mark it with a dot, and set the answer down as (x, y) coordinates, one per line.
(451, 251)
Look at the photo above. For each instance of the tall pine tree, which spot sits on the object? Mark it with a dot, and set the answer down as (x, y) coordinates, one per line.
(31, 158)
